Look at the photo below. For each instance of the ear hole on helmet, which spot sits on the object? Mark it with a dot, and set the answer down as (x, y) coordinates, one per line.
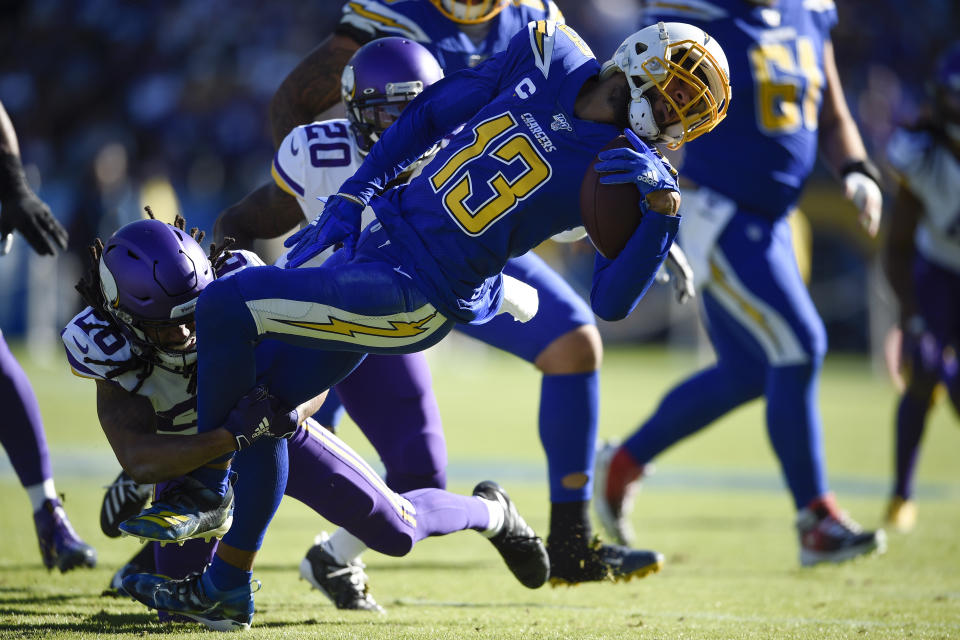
(640, 48)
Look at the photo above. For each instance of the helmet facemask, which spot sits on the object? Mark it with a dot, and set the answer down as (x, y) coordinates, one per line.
(470, 11)
(660, 66)
(380, 80)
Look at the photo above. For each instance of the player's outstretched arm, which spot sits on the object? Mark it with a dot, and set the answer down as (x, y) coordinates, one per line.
(312, 87)
(843, 149)
(129, 422)
(267, 212)
(21, 209)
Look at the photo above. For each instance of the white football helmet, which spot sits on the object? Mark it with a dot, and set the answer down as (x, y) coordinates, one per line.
(665, 52)
(470, 11)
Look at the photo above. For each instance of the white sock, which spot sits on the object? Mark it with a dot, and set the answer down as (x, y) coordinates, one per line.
(41, 492)
(344, 546)
(495, 509)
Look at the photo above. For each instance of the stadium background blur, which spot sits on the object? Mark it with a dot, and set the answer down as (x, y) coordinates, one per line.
(120, 104)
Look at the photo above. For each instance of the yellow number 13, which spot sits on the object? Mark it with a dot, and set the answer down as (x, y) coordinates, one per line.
(506, 194)
(783, 102)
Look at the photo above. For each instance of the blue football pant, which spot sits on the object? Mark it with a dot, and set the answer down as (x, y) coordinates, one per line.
(769, 341)
(569, 404)
(366, 305)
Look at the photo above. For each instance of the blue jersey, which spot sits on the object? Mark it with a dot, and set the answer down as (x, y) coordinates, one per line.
(776, 75)
(507, 181)
(449, 42)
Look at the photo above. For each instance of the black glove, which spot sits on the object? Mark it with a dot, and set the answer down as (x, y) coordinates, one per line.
(259, 414)
(21, 210)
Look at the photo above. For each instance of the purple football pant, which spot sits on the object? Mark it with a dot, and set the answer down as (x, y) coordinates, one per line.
(21, 429)
(391, 399)
(329, 477)
(932, 357)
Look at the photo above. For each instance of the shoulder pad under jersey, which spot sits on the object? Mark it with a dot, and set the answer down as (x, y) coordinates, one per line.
(376, 18)
(238, 261)
(907, 151)
(314, 160)
(547, 36)
(94, 346)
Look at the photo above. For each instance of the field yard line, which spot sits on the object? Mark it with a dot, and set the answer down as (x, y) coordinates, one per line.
(723, 617)
(101, 464)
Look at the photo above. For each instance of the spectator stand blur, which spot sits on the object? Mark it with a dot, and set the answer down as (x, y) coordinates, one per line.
(118, 104)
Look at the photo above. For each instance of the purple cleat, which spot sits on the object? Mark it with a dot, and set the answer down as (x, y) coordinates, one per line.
(60, 545)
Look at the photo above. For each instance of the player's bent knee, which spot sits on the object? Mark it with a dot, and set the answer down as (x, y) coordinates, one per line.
(222, 300)
(577, 351)
(370, 515)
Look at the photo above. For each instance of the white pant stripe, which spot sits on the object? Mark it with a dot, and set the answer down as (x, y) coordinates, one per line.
(763, 322)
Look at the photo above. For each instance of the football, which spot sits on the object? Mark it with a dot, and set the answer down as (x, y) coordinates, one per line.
(610, 212)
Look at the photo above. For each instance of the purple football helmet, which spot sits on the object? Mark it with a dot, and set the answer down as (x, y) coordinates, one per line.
(151, 274)
(947, 90)
(378, 82)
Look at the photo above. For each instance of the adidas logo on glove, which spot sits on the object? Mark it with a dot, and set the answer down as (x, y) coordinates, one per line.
(262, 429)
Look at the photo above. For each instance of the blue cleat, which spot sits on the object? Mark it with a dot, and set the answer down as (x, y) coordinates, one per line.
(60, 546)
(196, 598)
(573, 561)
(186, 509)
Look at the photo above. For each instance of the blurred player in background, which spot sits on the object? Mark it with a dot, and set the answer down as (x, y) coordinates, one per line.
(562, 340)
(769, 339)
(435, 255)
(21, 430)
(922, 263)
(141, 349)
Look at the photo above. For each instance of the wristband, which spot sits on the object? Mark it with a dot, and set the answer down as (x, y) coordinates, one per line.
(866, 167)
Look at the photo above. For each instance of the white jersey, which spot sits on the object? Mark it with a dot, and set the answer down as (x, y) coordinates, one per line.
(314, 160)
(932, 173)
(95, 347)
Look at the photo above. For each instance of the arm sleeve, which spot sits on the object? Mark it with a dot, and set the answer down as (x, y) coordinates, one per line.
(435, 112)
(619, 284)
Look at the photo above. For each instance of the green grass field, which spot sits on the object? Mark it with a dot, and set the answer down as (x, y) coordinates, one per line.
(716, 508)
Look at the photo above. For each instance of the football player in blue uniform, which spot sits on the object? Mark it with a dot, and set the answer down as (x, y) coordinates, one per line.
(21, 430)
(765, 330)
(562, 340)
(136, 339)
(922, 262)
(433, 257)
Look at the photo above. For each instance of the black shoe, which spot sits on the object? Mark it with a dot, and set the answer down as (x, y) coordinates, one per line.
(573, 561)
(345, 585)
(186, 509)
(521, 548)
(123, 500)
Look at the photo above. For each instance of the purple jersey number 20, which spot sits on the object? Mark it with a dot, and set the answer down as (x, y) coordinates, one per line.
(329, 154)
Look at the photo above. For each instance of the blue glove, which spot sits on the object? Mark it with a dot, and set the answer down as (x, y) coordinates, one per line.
(258, 414)
(643, 166)
(338, 222)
